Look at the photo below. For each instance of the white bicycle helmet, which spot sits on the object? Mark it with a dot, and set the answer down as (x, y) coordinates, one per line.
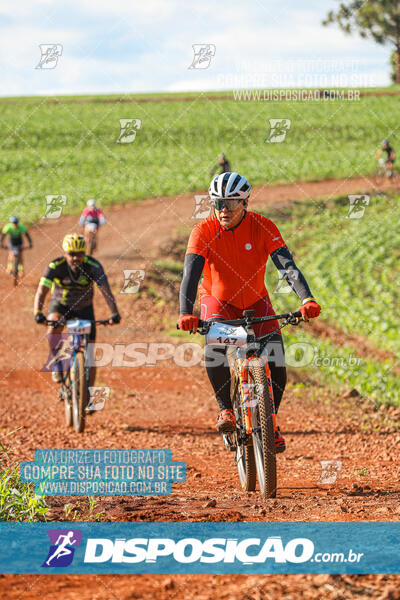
(91, 203)
(229, 185)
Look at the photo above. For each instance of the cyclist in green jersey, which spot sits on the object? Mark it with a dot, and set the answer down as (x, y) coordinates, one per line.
(14, 230)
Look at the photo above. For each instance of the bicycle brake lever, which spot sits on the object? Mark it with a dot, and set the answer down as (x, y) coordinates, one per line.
(294, 320)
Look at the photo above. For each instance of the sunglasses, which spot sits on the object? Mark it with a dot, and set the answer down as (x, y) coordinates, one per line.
(78, 254)
(221, 203)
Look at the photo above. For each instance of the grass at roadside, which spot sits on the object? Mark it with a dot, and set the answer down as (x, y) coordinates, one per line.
(351, 265)
(18, 501)
(341, 368)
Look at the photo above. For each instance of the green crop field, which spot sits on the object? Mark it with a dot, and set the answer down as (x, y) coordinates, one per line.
(71, 147)
(351, 265)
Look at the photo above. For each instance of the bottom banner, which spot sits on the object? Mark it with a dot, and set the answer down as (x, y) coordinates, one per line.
(204, 548)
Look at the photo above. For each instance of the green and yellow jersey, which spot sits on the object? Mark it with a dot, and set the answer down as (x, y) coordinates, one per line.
(14, 233)
(74, 289)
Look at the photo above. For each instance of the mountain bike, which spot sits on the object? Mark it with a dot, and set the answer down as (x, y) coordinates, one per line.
(16, 264)
(384, 170)
(91, 230)
(74, 389)
(253, 440)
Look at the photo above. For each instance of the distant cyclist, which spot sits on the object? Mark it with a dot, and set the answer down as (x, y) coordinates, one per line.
(390, 157)
(222, 166)
(14, 230)
(71, 279)
(230, 249)
(91, 219)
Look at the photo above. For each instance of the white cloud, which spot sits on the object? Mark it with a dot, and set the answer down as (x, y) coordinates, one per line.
(147, 11)
(123, 46)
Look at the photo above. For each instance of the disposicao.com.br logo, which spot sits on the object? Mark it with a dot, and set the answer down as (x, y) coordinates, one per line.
(105, 553)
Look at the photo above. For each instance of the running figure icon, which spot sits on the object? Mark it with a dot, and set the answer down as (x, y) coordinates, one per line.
(63, 543)
(62, 549)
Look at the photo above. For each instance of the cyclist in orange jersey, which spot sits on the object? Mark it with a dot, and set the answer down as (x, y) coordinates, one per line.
(230, 249)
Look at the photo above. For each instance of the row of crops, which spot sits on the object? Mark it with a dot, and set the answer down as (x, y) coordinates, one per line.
(76, 149)
(351, 265)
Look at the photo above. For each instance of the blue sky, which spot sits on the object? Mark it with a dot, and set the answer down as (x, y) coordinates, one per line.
(118, 46)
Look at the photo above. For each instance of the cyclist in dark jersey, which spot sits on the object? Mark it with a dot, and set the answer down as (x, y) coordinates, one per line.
(390, 156)
(15, 230)
(71, 279)
(223, 165)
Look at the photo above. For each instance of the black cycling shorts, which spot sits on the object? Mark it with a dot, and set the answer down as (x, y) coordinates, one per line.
(70, 313)
(14, 246)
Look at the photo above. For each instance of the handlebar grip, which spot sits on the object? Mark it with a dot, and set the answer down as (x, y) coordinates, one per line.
(200, 325)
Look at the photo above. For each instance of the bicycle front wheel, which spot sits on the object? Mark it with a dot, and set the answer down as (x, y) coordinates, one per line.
(79, 392)
(262, 410)
(244, 457)
(66, 393)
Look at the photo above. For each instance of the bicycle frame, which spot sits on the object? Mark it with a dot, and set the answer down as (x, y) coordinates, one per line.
(222, 334)
(76, 406)
(80, 344)
(80, 340)
(253, 439)
(90, 233)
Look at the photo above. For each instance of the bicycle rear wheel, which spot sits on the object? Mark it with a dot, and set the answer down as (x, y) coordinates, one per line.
(79, 392)
(91, 243)
(262, 410)
(15, 269)
(244, 457)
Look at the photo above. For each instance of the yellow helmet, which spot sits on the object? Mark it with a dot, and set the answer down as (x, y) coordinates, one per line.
(73, 242)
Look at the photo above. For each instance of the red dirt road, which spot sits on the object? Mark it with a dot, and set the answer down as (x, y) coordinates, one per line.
(171, 407)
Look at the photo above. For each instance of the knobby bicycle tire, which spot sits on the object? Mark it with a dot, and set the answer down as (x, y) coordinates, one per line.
(79, 392)
(263, 435)
(244, 456)
(68, 413)
(16, 259)
(91, 243)
(67, 402)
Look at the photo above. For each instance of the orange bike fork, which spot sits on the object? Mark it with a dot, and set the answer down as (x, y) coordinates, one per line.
(245, 395)
(270, 392)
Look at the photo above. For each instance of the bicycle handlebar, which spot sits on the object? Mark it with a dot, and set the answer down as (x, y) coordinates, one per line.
(62, 322)
(251, 320)
(291, 318)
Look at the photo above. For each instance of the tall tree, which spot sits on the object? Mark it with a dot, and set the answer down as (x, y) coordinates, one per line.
(376, 19)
